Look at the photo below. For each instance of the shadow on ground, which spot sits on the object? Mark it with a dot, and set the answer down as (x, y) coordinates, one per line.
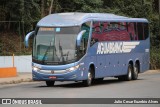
(81, 85)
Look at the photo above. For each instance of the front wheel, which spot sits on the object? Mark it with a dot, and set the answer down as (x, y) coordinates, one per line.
(50, 83)
(88, 82)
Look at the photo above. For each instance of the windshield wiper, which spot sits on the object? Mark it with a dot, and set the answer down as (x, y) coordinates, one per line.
(61, 50)
(67, 56)
(46, 52)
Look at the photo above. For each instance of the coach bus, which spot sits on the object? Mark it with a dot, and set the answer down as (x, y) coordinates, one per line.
(88, 47)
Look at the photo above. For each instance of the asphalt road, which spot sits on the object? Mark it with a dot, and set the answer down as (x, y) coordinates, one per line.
(147, 86)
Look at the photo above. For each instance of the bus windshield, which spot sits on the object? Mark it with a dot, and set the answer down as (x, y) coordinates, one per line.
(54, 46)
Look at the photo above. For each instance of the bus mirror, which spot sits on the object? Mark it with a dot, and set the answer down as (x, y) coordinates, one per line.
(27, 38)
(79, 37)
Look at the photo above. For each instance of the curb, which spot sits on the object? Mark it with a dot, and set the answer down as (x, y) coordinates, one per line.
(16, 81)
(21, 77)
(151, 72)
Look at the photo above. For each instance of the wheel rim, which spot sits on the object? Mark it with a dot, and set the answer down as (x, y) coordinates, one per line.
(129, 73)
(135, 74)
(89, 77)
(136, 70)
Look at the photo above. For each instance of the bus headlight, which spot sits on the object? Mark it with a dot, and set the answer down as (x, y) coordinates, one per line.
(73, 68)
(35, 68)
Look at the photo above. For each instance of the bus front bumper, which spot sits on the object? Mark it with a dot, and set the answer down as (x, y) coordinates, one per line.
(70, 76)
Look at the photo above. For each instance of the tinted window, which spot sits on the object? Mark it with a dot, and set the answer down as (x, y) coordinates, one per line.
(140, 31)
(118, 31)
(111, 31)
(146, 30)
(132, 31)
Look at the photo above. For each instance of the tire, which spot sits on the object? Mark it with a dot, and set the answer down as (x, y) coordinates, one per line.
(88, 82)
(50, 83)
(135, 72)
(128, 77)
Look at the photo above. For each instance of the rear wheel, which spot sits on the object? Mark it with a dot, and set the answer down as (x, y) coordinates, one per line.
(50, 83)
(135, 72)
(128, 77)
(88, 82)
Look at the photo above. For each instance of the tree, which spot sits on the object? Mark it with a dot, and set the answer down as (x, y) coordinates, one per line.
(80, 5)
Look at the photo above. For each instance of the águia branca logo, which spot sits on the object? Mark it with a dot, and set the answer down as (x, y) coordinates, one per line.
(115, 47)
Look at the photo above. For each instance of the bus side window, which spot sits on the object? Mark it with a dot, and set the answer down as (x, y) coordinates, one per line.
(136, 31)
(146, 30)
(96, 31)
(132, 31)
(140, 31)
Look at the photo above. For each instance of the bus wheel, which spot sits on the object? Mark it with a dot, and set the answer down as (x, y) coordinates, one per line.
(50, 83)
(128, 77)
(135, 72)
(88, 82)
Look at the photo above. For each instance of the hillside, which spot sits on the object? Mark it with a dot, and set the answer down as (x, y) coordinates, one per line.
(11, 42)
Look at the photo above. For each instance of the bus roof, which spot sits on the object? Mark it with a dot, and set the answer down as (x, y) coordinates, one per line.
(75, 19)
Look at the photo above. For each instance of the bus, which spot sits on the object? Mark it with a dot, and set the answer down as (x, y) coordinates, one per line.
(88, 47)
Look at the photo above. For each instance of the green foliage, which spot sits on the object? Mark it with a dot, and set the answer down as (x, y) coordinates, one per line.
(154, 27)
(80, 5)
(155, 58)
(1, 46)
(31, 13)
(27, 11)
